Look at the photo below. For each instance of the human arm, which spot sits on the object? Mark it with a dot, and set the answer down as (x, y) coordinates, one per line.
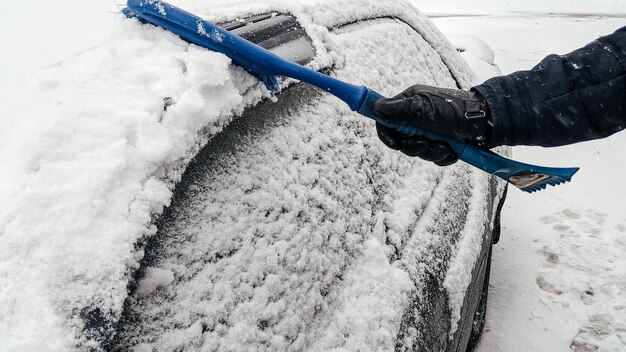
(564, 99)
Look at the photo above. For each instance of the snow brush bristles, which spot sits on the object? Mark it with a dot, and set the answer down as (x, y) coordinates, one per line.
(267, 65)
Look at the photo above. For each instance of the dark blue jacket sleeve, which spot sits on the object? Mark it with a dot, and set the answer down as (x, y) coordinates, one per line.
(564, 99)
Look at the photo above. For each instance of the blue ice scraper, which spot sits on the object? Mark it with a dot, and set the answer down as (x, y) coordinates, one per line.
(267, 66)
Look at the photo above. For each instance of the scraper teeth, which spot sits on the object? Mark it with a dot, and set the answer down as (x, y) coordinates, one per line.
(552, 181)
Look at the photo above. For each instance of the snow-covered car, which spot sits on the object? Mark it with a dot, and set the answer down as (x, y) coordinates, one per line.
(189, 210)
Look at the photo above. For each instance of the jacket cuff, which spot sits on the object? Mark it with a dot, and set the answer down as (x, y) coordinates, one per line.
(500, 119)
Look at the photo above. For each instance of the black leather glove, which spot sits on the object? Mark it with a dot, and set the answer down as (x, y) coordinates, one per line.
(452, 113)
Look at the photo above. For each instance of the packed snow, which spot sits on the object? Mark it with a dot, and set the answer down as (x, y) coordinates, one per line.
(154, 278)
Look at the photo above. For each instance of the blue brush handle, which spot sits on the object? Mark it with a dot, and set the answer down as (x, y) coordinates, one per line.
(267, 65)
(257, 60)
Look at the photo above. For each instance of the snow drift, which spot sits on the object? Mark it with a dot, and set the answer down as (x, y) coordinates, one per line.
(90, 156)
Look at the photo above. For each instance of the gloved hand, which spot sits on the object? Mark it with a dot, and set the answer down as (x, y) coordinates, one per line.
(452, 113)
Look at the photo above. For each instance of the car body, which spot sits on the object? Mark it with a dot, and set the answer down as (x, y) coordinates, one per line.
(293, 227)
(296, 229)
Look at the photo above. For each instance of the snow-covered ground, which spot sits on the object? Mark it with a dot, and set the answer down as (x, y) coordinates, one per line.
(558, 279)
(559, 272)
